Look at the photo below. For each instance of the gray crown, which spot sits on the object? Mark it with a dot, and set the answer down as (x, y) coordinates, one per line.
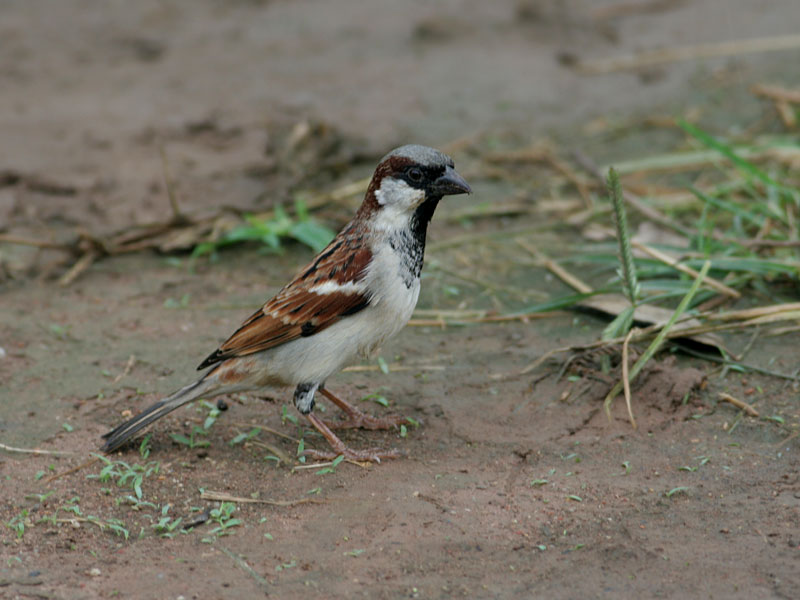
(421, 154)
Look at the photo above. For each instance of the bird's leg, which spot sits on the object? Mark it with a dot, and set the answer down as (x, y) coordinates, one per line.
(304, 401)
(356, 418)
(340, 449)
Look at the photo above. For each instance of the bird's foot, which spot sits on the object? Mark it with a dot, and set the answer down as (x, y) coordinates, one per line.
(357, 419)
(338, 447)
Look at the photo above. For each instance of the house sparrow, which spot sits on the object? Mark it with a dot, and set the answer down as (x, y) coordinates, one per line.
(358, 292)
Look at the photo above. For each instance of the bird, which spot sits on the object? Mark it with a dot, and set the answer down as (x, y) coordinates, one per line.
(354, 295)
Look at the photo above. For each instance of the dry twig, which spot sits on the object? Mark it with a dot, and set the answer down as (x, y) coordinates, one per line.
(319, 465)
(626, 384)
(126, 371)
(783, 100)
(88, 463)
(668, 260)
(269, 430)
(21, 241)
(739, 319)
(275, 450)
(739, 404)
(557, 270)
(8, 448)
(774, 92)
(83, 263)
(660, 56)
(623, 9)
(225, 497)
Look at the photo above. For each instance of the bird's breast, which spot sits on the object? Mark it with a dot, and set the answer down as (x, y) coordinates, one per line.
(409, 253)
(316, 357)
(393, 294)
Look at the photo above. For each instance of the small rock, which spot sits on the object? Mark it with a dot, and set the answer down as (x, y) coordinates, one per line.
(94, 572)
(2, 353)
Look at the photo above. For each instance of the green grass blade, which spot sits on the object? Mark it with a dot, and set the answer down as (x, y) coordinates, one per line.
(620, 325)
(659, 340)
(628, 275)
(729, 207)
(725, 150)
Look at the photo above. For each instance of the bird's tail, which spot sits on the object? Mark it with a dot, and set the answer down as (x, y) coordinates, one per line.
(121, 434)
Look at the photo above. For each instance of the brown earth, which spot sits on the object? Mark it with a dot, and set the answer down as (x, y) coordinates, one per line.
(515, 486)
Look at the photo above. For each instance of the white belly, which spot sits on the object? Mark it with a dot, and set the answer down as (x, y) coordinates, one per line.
(315, 358)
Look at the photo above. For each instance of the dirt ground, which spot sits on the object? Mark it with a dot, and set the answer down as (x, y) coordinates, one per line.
(514, 486)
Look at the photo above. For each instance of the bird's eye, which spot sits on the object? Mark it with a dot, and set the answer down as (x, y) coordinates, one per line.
(415, 174)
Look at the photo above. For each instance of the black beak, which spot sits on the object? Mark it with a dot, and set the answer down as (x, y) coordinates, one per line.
(450, 184)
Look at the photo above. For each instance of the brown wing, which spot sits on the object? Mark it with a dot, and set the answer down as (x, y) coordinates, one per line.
(296, 311)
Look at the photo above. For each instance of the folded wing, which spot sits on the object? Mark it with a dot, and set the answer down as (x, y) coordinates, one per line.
(329, 289)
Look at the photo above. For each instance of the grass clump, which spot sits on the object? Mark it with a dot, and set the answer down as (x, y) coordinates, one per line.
(270, 232)
(124, 474)
(724, 229)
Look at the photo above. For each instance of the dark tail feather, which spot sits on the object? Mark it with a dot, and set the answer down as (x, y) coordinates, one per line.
(118, 436)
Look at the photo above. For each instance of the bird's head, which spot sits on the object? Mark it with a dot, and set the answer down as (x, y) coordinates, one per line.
(408, 184)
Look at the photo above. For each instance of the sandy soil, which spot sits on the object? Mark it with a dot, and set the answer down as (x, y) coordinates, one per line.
(515, 486)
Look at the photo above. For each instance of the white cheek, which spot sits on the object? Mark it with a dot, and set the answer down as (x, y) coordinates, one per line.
(396, 192)
(398, 200)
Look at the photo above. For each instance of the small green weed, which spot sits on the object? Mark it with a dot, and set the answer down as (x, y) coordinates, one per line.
(144, 447)
(39, 497)
(269, 232)
(17, 523)
(383, 365)
(213, 413)
(245, 437)
(191, 441)
(166, 526)
(124, 474)
(136, 503)
(72, 506)
(182, 303)
(117, 527)
(377, 399)
(289, 565)
(676, 490)
(287, 416)
(332, 467)
(223, 516)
